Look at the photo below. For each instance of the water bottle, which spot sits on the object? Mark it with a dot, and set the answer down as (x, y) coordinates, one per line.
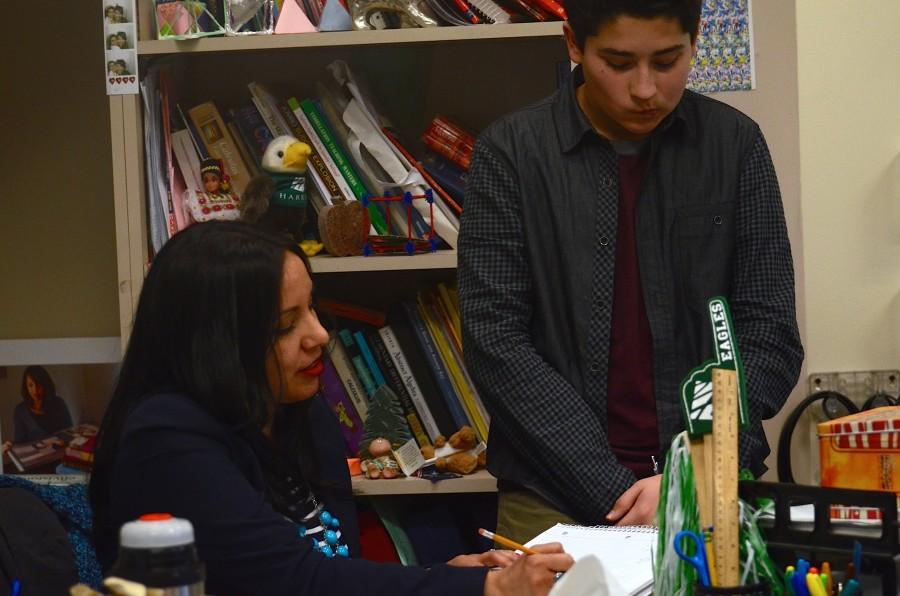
(157, 550)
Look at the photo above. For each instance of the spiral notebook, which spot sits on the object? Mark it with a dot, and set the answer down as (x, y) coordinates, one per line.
(625, 552)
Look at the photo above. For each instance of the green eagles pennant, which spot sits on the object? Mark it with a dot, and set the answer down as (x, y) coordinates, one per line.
(697, 387)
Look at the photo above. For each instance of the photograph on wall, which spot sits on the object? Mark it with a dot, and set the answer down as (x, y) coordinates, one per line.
(120, 43)
(49, 416)
(724, 60)
(117, 11)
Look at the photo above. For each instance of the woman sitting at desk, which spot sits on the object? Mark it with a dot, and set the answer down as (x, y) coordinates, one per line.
(41, 412)
(216, 418)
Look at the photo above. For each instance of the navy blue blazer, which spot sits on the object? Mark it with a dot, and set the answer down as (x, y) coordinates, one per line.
(176, 458)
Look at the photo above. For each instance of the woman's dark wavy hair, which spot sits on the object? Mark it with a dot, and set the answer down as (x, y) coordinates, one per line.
(587, 16)
(205, 322)
(41, 377)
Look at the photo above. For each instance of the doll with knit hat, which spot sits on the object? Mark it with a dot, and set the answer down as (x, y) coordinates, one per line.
(216, 200)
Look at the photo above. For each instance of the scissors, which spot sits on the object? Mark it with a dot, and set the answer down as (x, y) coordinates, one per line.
(698, 559)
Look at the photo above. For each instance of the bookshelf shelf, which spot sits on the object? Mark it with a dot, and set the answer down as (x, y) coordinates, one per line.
(349, 38)
(479, 482)
(443, 259)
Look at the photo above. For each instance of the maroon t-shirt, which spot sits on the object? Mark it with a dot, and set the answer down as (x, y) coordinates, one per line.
(631, 406)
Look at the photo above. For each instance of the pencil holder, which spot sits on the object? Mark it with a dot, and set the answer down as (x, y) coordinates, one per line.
(761, 589)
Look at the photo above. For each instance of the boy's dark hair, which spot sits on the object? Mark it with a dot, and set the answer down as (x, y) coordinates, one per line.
(205, 323)
(587, 16)
(40, 376)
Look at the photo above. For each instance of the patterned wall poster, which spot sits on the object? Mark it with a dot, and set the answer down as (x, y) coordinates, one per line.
(724, 59)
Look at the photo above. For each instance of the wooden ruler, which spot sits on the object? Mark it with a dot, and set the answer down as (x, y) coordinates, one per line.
(725, 477)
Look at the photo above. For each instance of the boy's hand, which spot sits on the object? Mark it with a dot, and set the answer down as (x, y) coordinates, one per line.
(637, 505)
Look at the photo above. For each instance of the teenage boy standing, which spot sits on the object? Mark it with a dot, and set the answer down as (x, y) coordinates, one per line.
(598, 223)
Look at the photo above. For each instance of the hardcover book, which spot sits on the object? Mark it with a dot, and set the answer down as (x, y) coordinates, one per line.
(254, 130)
(348, 418)
(404, 370)
(450, 140)
(421, 371)
(436, 365)
(359, 364)
(219, 143)
(394, 380)
(346, 371)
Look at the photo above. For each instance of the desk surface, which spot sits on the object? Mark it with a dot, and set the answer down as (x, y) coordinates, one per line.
(479, 482)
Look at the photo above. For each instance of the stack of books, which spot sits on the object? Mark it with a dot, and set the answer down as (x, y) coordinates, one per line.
(415, 349)
(353, 156)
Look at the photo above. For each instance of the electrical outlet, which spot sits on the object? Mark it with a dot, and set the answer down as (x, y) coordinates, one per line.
(857, 385)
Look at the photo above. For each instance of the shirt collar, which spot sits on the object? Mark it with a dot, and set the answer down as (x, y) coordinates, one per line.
(572, 125)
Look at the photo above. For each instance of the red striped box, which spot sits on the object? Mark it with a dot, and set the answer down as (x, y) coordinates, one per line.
(862, 450)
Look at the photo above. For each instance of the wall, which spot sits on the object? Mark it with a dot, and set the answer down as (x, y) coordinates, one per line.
(57, 237)
(849, 82)
(774, 105)
(849, 93)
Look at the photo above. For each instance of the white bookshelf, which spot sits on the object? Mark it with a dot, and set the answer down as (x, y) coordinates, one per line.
(478, 482)
(350, 38)
(473, 74)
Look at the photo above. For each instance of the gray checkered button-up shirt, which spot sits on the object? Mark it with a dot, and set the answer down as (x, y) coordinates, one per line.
(536, 267)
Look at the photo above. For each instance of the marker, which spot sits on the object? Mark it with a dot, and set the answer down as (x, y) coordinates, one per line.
(857, 555)
(506, 542)
(852, 588)
(814, 585)
(829, 580)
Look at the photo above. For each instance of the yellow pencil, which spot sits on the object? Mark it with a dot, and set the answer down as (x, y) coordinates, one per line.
(506, 542)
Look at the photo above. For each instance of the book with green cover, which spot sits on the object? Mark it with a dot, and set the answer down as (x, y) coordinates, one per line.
(342, 161)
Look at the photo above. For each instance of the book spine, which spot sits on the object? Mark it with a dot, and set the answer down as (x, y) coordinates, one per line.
(346, 371)
(219, 143)
(406, 376)
(315, 158)
(413, 416)
(366, 352)
(453, 366)
(319, 147)
(348, 418)
(243, 148)
(450, 140)
(454, 154)
(437, 366)
(362, 371)
(341, 161)
(261, 98)
(443, 194)
(346, 310)
(421, 371)
(448, 175)
(255, 130)
(187, 158)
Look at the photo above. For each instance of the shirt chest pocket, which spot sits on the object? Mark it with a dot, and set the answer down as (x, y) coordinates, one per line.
(703, 246)
(713, 220)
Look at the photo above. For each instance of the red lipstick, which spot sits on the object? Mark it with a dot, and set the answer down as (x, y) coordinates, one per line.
(315, 369)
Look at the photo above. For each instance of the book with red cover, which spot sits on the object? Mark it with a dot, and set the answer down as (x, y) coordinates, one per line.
(449, 139)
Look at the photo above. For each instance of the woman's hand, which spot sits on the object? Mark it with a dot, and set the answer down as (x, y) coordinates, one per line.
(637, 505)
(491, 558)
(531, 575)
(6, 446)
